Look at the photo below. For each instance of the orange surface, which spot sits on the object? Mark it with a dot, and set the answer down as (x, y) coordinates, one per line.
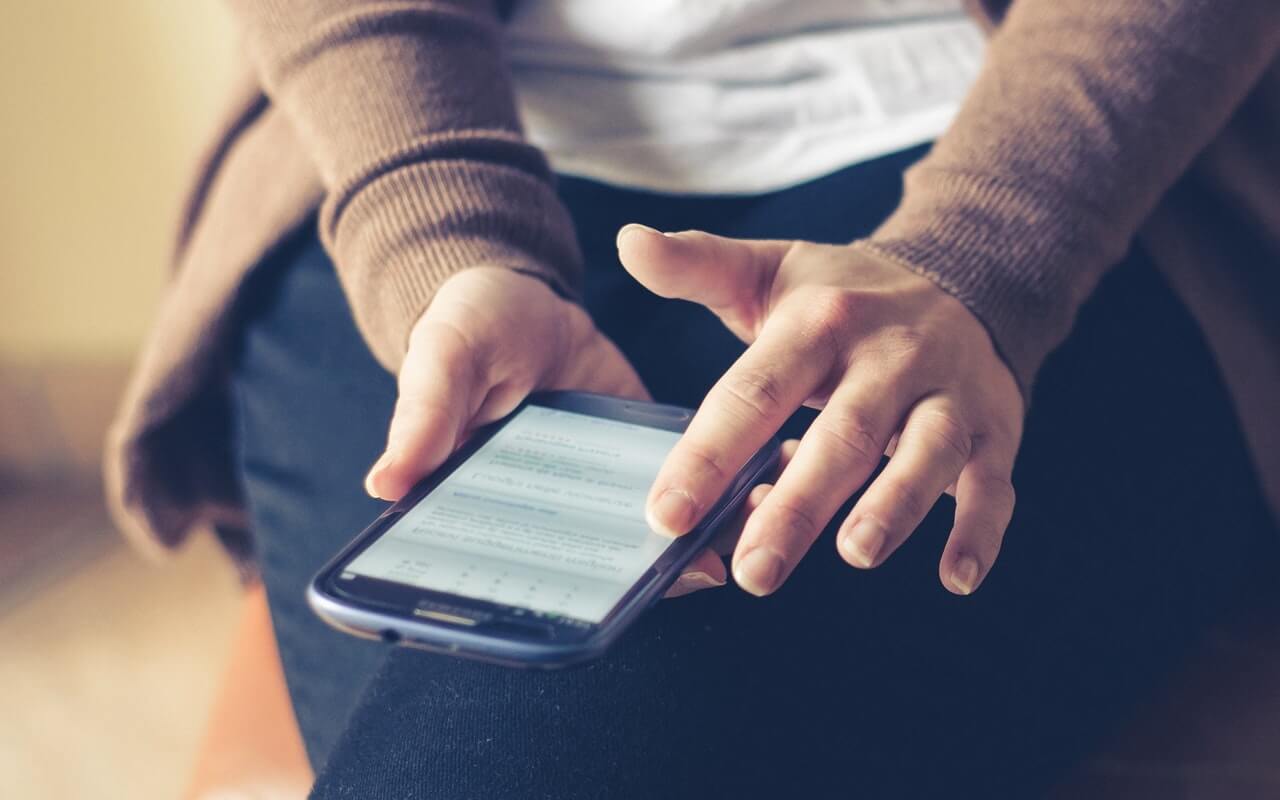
(252, 747)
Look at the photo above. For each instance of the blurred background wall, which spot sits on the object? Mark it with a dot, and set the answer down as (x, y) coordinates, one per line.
(105, 105)
(107, 664)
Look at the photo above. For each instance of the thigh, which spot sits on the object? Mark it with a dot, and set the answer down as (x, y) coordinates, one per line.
(1138, 521)
(312, 407)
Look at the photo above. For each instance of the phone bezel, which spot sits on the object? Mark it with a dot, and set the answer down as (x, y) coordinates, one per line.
(507, 634)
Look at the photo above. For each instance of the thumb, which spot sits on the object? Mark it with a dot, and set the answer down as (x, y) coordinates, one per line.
(722, 274)
(440, 387)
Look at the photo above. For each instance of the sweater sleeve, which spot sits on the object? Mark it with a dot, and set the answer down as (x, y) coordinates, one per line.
(406, 109)
(1083, 115)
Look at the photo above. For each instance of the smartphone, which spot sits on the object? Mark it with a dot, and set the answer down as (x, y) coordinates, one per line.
(529, 546)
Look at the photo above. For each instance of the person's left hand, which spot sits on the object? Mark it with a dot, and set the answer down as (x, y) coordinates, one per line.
(896, 365)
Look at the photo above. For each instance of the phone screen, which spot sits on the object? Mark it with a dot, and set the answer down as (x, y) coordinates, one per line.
(547, 515)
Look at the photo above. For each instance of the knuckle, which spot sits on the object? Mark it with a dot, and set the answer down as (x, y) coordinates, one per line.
(908, 339)
(757, 393)
(998, 488)
(987, 538)
(1003, 432)
(944, 431)
(911, 350)
(987, 520)
(835, 311)
(852, 434)
(458, 367)
(702, 463)
(907, 501)
(795, 518)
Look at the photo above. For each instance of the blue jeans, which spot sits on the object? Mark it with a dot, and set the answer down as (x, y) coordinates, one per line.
(1139, 522)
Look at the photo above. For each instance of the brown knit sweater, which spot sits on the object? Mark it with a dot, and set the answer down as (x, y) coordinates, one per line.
(1091, 123)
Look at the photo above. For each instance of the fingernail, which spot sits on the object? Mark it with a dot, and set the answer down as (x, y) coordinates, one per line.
(964, 576)
(672, 513)
(692, 581)
(631, 227)
(384, 461)
(863, 543)
(759, 571)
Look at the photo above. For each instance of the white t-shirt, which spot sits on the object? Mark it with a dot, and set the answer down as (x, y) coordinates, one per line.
(735, 96)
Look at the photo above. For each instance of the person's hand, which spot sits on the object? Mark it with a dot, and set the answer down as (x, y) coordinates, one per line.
(490, 337)
(896, 366)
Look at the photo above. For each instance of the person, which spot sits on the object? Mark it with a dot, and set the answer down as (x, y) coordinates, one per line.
(1104, 186)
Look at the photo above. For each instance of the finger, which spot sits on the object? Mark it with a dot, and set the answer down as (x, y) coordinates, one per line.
(706, 571)
(745, 407)
(933, 448)
(786, 452)
(838, 453)
(500, 400)
(440, 387)
(716, 271)
(727, 539)
(984, 506)
(892, 446)
(724, 541)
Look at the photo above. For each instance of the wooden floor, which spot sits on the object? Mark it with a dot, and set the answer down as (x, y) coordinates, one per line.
(107, 663)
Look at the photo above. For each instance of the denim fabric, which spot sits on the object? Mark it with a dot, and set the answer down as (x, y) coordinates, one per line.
(1139, 523)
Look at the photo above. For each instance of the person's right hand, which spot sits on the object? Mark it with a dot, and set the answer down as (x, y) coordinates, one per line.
(490, 337)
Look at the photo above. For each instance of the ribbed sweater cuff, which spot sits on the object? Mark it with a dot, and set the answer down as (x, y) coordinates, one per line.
(412, 227)
(1021, 260)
